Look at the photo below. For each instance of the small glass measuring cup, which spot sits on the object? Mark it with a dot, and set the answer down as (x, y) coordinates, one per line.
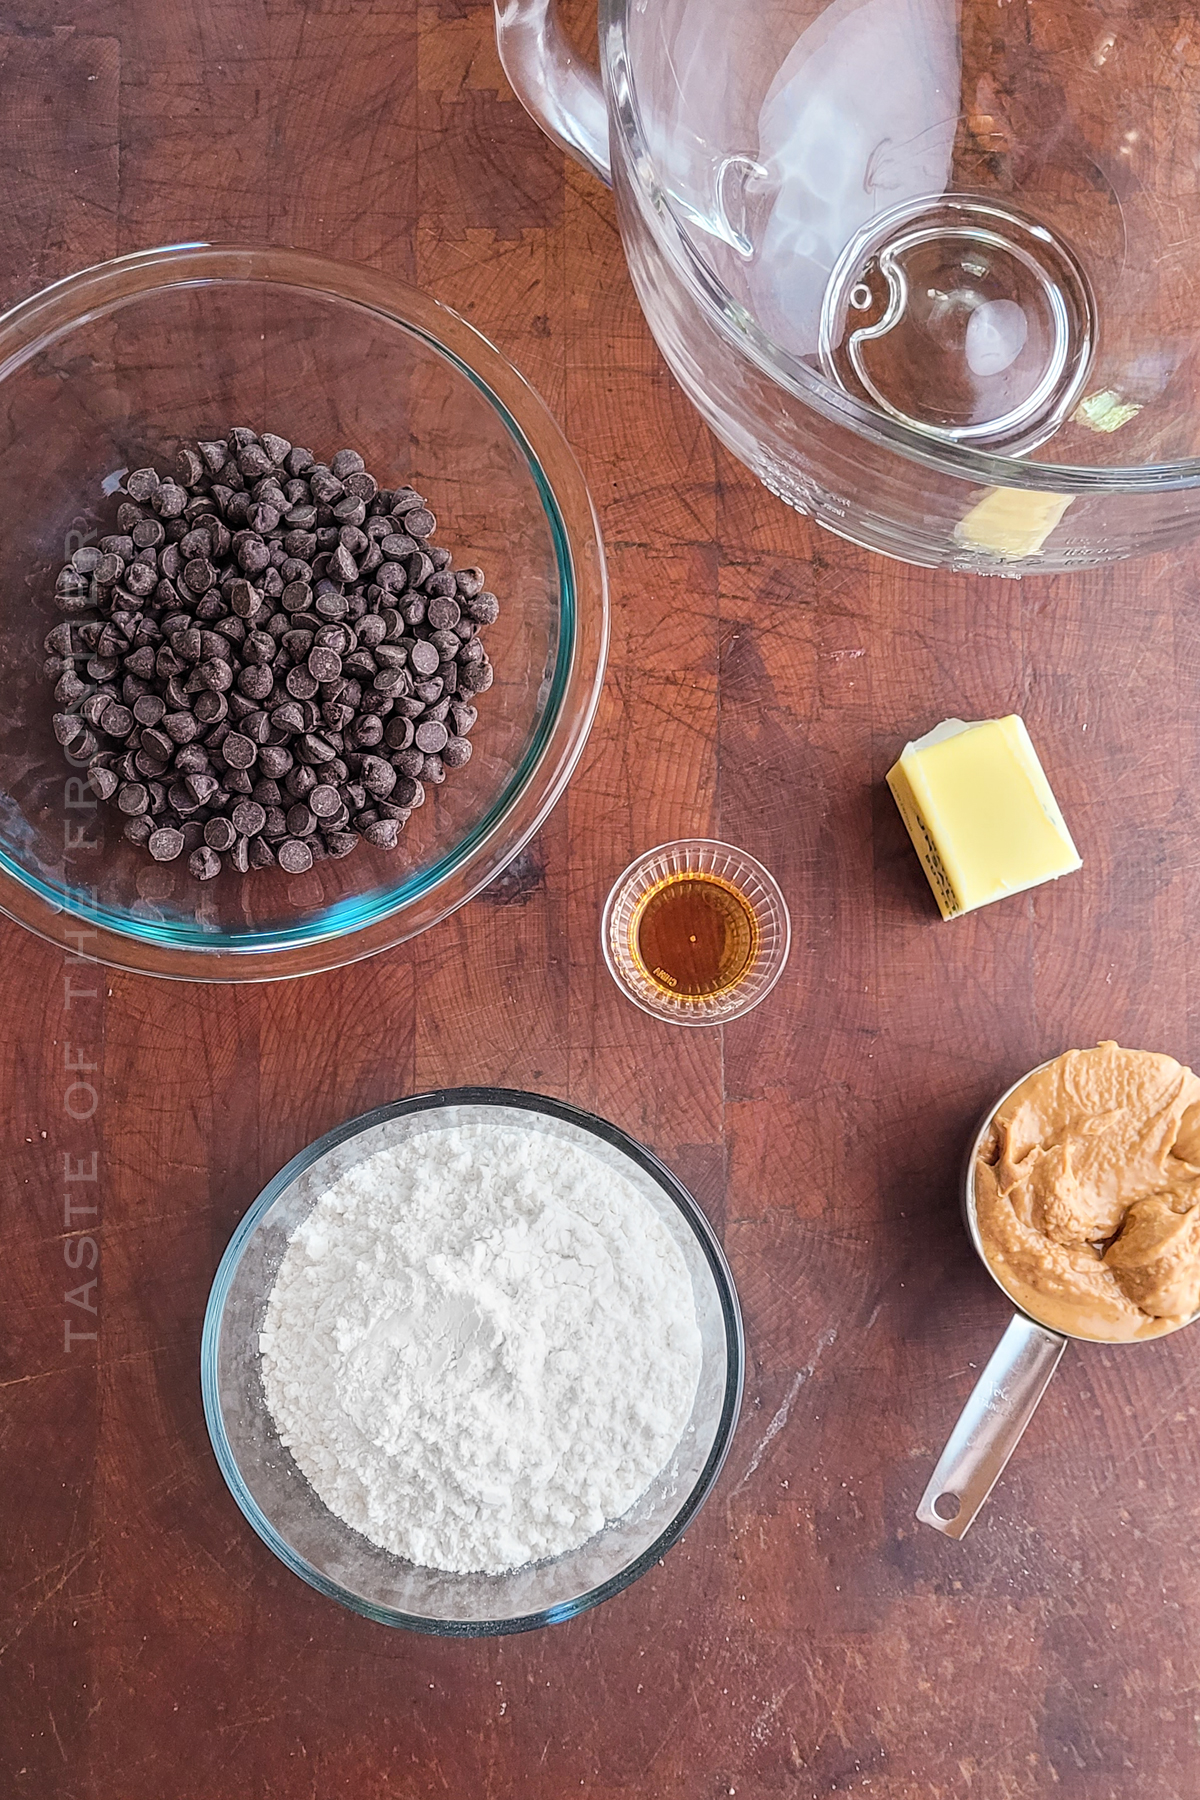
(763, 918)
(1006, 1395)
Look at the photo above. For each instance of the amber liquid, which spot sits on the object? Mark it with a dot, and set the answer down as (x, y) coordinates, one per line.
(694, 936)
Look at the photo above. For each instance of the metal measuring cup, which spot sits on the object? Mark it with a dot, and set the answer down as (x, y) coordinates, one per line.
(1006, 1395)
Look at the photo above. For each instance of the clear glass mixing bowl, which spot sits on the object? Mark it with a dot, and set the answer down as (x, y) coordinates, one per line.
(316, 1545)
(110, 370)
(926, 266)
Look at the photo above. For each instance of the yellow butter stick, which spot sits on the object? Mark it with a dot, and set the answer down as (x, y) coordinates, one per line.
(980, 813)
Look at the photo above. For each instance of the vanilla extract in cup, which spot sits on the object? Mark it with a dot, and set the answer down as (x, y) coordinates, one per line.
(696, 932)
(695, 935)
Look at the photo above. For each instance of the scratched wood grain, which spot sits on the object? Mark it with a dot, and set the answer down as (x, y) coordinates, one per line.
(807, 1638)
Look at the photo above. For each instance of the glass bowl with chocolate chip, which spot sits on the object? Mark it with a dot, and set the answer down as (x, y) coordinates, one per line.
(305, 613)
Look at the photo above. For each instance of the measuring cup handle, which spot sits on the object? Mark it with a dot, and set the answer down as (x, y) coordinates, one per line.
(558, 91)
(989, 1427)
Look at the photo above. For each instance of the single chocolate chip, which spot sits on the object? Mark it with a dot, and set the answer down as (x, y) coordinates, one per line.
(342, 566)
(300, 781)
(324, 664)
(142, 484)
(274, 760)
(255, 681)
(361, 485)
(108, 571)
(192, 759)
(391, 578)
(103, 782)
(456, 752)
(431, 737)
(366, 731)
(252, 554)
(377, 775)
(141, 579)
(325, 486)
(201, 787)
(424, 658)
(289, 715)
(204, 863)
(116, 720)
(189, 466)
(248, 818)
(483, 607)
(408, 792)
(324, 801)
(210, 707)
(314, 749)
(257, 726)
(133, 797)
(219, 834)
(165, 844)
(259, 647)
(254, 462)
(240, 753)
(170, 500)
(148, 709)
(215, 673)
(295, 856)
(244, 597)
(443, 613)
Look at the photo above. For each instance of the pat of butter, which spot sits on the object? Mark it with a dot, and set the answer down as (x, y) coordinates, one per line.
(1011, 522)
(980, 813)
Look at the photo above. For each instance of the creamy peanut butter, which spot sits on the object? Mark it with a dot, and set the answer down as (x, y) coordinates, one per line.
(1087, 1194)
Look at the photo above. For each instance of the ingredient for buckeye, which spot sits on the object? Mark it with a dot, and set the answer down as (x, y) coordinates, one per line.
(1087, 1194)
(480, 1347)
(695, 935)
(268, 659)
(695, 932)
(981, 815)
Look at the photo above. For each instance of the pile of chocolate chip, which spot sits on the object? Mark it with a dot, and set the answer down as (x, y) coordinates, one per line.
(268, 659)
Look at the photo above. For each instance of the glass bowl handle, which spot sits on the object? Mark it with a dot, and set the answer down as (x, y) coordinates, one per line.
(556, 88)
(990, 1425)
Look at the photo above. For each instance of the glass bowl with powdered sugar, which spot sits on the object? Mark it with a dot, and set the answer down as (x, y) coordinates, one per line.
(472, 1362)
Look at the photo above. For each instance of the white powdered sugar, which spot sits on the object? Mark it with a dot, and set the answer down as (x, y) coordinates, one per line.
(481, 1346)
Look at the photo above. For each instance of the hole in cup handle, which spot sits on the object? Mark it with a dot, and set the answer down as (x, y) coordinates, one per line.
(555, 86)
(989, 1427)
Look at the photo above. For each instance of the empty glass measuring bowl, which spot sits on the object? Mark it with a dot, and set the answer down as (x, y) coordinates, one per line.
(927, 266)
